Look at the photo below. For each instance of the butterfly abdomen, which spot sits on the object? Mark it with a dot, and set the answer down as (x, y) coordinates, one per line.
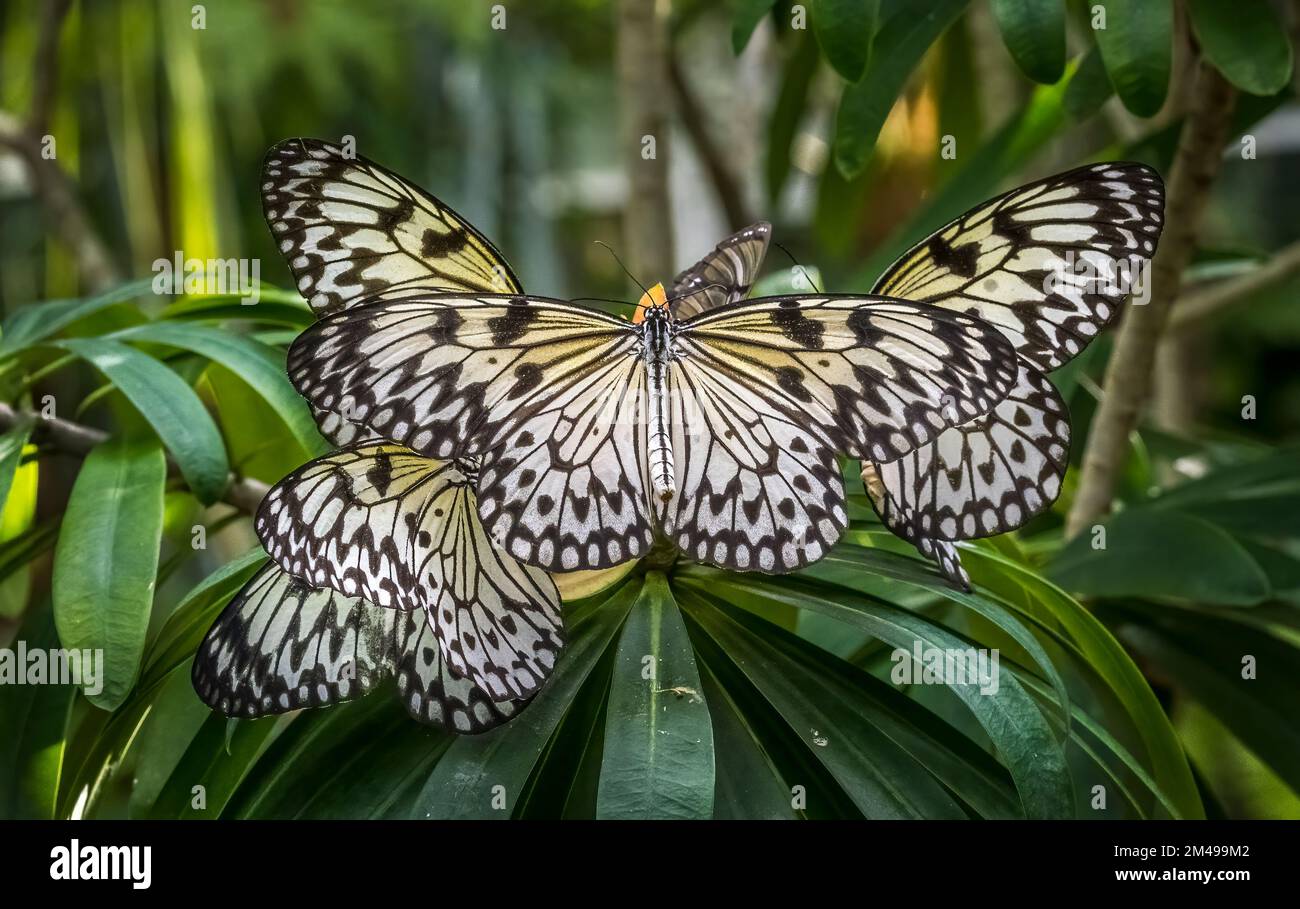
(657, 331)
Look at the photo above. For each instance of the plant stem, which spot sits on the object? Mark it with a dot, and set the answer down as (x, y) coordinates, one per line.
(244, 493)
(1129, 372)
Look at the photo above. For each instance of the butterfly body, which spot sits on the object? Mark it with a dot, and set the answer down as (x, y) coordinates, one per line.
(658, 328)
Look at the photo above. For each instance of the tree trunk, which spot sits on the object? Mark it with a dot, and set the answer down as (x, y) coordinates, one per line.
(1129, 372)
(645, 93)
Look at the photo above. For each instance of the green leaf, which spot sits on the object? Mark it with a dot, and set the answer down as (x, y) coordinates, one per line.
(746, 16)
(856, 561)
(171, 407)
(749, 785)
(1034, 32)
(844, 29)
(1005, 153)
(1113, 664)
(1090, 88)
(11, 453)
(260, 366)
(106, 561)
(787, 113)
(35, 720)
(1137, 47)
(658, 758)
(902, 41)
(463, 784)
(1205, 656)
(1010, 717)
(1245, 41)
(38, 321)
(361, 759)
(190, 620)
(1162, 553)
(857, 726)
(174, 719)
(216, 764)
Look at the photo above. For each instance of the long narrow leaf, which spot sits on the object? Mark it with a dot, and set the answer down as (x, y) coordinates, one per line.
(171, 407)
(658, 758)
(106, 563)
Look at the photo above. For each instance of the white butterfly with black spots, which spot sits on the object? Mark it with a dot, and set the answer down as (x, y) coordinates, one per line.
(573, 411)
(1049, 264)
(281, 645)
(577, 415)
(402, 531)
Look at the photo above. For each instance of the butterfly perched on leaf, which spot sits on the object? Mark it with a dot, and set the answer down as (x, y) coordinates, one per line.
(1049, 264)
(381, 568)
(720, 430)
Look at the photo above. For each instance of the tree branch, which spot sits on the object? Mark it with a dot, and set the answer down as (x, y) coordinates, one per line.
(244, 493)
(63, 212)
(1202, 302)
(45, 75)
(1129, 372)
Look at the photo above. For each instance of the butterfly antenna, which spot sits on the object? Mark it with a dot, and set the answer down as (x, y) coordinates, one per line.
(644, 290)
(798, 266)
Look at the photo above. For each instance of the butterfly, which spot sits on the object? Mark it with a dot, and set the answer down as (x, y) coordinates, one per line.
(577, 415)
(997, 262)
(375, 525)
(721, 429)
(402, 531)
(282, 645)
(1049, 264)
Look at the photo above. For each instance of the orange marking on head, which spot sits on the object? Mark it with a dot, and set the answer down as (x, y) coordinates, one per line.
(655, 297)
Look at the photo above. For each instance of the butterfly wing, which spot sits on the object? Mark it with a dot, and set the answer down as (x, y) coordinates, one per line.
(990, 475)
(548, 392)
(1045, 263)
(723, 276)
(986, 477)
(350, 228)
(281, 645)
(402, 531)
(757, 491)
(873, 376)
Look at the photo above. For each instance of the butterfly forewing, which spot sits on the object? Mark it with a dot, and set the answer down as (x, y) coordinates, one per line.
(1049, 263)
(350, 229)
(281, 645)
(402, 531)
(547, 391)
(876, 377)
(723, 276)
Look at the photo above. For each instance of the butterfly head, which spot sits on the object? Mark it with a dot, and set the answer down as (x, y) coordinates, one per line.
(654, 299)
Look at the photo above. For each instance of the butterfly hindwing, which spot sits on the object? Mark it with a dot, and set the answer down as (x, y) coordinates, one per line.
(1046, 262)
(757, 491)
(281, 645)
(990, 475)
(723, 276)
(350, 229)
(986, 477)
(402, 531)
